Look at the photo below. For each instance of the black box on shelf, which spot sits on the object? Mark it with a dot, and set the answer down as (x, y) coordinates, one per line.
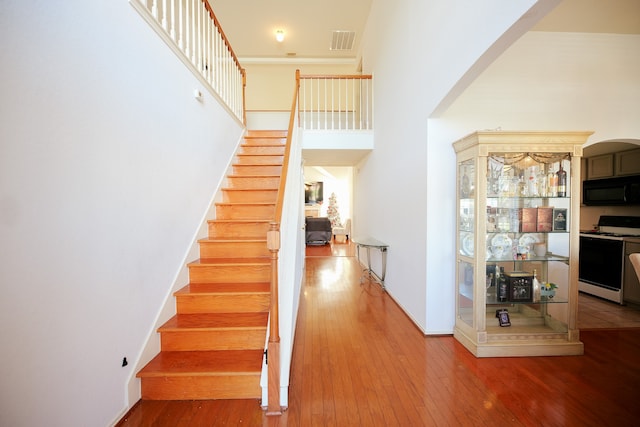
(520, 286)
(559, 219)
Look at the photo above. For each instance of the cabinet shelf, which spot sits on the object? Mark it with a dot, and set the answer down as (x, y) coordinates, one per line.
(532, 258)
(493, 301)
(507, 200)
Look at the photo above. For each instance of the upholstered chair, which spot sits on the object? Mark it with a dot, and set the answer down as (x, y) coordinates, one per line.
(345, 230)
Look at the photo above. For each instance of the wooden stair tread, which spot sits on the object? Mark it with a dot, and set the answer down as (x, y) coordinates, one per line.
(245, 203)
(239, 221)
(255, 164)
(231, 261)
(240, 239)
(204, 363)
(207, 321)
(254, 176)
(225, 288)
(249, 189)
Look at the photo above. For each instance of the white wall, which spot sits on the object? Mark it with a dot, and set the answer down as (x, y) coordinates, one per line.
(107, 167)
(555, 81)
(551, 81)
(417, 52)
(270, 87)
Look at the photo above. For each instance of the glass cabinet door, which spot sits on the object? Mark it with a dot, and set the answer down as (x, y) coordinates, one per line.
(527, 232)
(466, 240)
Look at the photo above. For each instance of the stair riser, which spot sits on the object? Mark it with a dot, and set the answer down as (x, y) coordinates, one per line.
(216, 249)
(199, 387)
(259, 160)
(189, 304)
(273, 150)
(251, 183)
(249, 196)
(234, 339)
(245, 211)
(234, 229)
(257, 170)
(229, 273)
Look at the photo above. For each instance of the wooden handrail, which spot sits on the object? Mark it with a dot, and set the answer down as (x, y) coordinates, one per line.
(243, 72)
(341, 76)
(194, 33)
(212, 15)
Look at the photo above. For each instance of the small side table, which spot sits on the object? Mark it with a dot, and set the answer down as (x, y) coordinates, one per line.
(368, 243)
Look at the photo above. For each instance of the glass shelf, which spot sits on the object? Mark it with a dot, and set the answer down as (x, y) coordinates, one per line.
(493, 301)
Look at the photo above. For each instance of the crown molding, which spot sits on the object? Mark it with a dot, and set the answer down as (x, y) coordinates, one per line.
(294, 60)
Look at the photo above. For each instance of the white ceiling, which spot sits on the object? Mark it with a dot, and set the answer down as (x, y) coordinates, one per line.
(250, 25)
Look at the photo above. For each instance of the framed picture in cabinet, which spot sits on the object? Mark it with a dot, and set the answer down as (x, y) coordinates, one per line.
(503, 317)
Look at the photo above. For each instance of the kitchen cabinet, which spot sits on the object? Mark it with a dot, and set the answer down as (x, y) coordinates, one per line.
(516, 228)
(600, 166)
(628, 162)
(622, 163)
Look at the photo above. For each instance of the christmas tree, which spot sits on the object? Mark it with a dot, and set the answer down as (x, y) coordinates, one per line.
(332, 212)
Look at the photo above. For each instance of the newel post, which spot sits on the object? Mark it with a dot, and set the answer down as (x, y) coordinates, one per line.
(273, 347)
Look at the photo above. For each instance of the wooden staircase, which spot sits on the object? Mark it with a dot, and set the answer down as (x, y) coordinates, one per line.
(213, 347)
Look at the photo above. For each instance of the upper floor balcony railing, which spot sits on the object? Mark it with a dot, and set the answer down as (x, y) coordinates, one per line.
(339, 102)
(192, 30)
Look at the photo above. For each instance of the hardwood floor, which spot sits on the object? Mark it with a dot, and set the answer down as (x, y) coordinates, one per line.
(597, 313)
(359, 361)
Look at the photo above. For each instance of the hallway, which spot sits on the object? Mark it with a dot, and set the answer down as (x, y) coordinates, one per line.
(359, 361)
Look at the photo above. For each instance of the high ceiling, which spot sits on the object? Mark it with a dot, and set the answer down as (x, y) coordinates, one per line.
(250, 25)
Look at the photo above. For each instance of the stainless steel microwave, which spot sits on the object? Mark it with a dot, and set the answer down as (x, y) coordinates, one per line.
(618, 191)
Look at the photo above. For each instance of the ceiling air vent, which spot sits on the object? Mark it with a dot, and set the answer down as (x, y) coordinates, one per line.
(342, 40)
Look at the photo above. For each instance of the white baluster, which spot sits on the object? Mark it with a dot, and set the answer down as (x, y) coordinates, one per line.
(318, 101)
(165, 22)
(154, 9)
(339, 105)
(172, 31)
(353, 104)
(181, 23)
(207, 55)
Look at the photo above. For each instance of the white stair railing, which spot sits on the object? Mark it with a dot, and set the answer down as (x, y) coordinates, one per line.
(192, 30)
(338, 102)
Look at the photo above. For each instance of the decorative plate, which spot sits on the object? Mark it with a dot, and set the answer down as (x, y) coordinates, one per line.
(467, 244)
(501, 239)
(529, 240)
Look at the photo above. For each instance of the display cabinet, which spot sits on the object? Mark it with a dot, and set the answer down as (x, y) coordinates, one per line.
(517, 243)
